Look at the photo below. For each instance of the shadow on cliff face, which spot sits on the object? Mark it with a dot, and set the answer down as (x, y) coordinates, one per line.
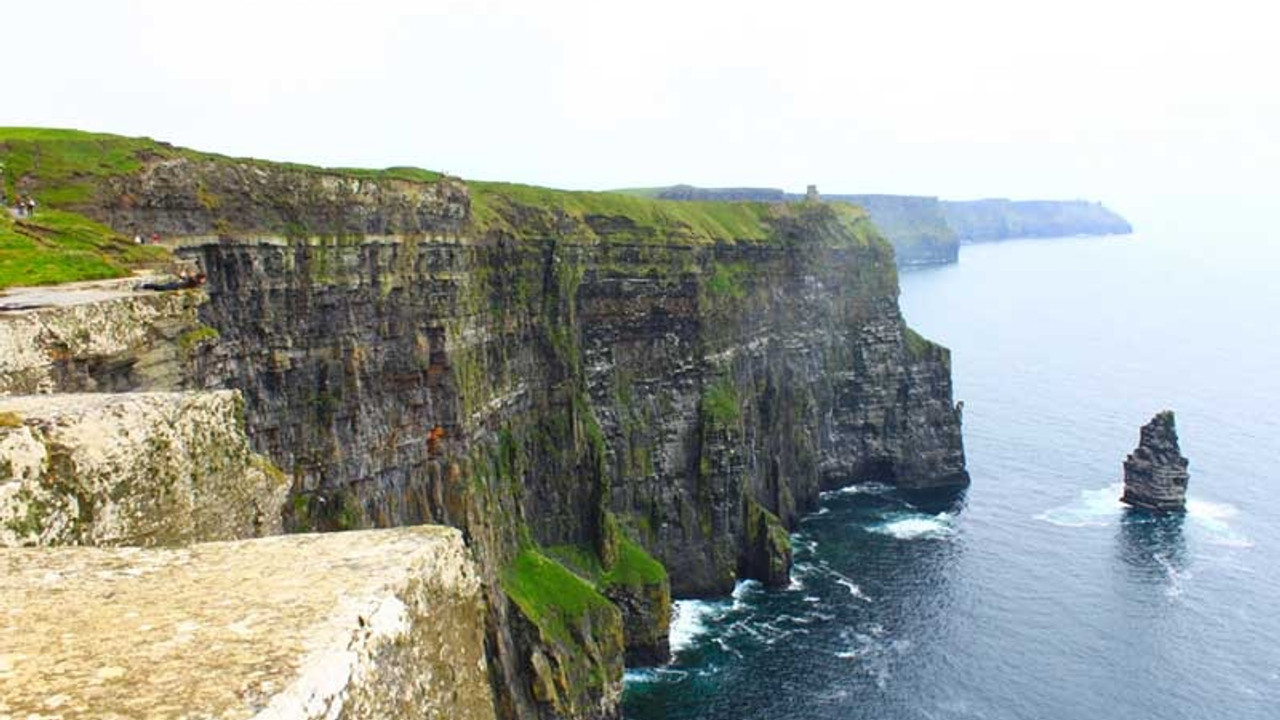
(1153, 547)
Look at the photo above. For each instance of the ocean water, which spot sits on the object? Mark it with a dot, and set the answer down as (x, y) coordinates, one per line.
(1036, 594)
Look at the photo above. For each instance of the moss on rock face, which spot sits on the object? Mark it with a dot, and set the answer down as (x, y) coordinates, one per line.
(547, 593)
(638, 585)
(576, 642)
(720, 402)
(634, 567)
(767, 555)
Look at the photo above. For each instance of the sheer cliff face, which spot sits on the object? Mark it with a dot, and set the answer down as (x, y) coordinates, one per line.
(560, 376)
(695, 399)
(719, 377)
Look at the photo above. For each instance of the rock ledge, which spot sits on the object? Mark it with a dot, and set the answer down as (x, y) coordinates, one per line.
(374, 624)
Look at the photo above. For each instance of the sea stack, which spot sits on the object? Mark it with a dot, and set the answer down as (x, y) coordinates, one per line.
(1155, 473)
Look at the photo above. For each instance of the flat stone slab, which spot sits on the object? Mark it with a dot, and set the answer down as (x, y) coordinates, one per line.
(370, 624)
(67, 294)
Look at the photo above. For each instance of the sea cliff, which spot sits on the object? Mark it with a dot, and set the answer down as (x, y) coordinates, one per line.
(999, 219)
(616, 399)
(928, 231)
(914, 225)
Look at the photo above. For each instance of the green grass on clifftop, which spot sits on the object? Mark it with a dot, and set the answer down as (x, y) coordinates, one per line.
(526, 210)
(66, 171)
(57, 247)
(67, 163)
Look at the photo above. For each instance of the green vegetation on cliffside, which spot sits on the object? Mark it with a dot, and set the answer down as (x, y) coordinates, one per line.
(548, 594)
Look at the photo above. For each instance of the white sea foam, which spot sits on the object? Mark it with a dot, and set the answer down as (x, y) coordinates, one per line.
(1213, 519)
(744, 587)
(742, 590)
(859, 489)
(1176, 577)
(1093, 508)
(853, 589)
(913, 526)
(1102, 508)
(652, 675)
(689, 621)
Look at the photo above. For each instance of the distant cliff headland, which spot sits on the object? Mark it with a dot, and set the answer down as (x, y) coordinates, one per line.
(928, 231)
(1000, 219)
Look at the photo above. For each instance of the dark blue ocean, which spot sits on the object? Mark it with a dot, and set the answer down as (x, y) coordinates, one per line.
(1037, 595)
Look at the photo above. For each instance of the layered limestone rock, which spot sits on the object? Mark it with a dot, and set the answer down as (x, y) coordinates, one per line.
(379, 625)
(1155, 473)
(132, 469)
(498, 385)
(662, 383)
(589, 386)
(98, 337)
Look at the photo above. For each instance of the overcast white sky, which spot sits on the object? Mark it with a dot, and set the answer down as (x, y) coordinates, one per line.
(1134, 103)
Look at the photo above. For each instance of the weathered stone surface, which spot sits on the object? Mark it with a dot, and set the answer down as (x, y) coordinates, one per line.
(379, 625)
(132, 469)
(98, 337)
(1155, 473)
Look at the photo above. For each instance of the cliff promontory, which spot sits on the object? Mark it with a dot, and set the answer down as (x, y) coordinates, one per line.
(999, 219)
(914, 225)
(615, 399)
(927, 231)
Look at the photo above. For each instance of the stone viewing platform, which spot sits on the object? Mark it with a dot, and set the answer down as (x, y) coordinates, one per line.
(1155, 473)
(371, 624)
